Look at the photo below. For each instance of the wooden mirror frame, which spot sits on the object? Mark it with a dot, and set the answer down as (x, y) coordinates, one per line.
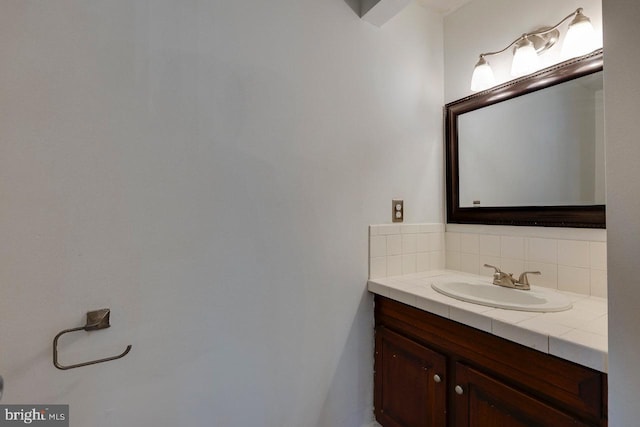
(588, 216)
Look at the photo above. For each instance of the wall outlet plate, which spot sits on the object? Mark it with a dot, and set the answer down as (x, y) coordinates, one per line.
(397, 210)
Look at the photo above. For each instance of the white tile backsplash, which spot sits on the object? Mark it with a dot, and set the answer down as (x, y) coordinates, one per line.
(409, 243)
(377, 267)
(378, 246)
(588, 234)
(394, 265)
(385, 229)
(512, 247)
(422, 262)
(452, 260)
(470, 263)
(422, 242)
(431, 228)
(548, 276)
(409, 264)
(436, 260)
(598, 255)
(394, 244)
(396, 250)
(489, 245)
(410, 228)
(543, 250)
(574, 279)
(573, 260)
(436, 242)
(573, 253)
(469, 243)
(598, 283)
(567, 258)
(452, 241)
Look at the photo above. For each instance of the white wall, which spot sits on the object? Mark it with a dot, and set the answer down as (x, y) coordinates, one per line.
(490, 25)
(622, 134)
(208, 170)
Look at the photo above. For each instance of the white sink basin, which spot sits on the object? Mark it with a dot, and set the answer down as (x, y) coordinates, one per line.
(485, 293)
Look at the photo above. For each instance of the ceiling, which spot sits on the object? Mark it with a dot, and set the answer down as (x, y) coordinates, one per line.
(443, 6)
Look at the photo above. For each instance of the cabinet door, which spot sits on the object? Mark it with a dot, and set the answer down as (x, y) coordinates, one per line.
(482, 401)
(410, 383)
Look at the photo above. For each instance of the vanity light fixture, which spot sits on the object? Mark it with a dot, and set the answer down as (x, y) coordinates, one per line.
(579, 40)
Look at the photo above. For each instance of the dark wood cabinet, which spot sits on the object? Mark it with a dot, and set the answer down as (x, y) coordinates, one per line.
(413, 389)
(431, 371)
(482, 401)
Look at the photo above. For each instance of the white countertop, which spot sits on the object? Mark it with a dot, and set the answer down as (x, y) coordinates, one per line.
(578, 334)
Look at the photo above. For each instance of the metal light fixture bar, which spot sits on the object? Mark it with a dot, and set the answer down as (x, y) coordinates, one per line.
(540, 40)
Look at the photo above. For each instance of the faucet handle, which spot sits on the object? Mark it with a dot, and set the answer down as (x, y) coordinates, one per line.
(497, 275)
(498, 271)
(524, 280)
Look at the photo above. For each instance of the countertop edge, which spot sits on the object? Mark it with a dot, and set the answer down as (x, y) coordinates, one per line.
(551, 333)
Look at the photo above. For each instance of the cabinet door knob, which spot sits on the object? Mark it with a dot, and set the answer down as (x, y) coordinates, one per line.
(459, 390)
(437, 378)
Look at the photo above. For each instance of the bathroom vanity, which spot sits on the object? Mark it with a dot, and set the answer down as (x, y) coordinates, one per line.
(433, 371)
(439, 361)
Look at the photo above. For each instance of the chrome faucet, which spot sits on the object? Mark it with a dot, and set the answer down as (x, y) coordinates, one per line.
(506, 280)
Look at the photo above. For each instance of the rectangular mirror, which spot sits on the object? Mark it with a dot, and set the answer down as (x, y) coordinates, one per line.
(530, 151)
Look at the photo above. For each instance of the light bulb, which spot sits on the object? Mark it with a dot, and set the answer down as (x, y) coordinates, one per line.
(525, 58)
(580, 38)
(482, 77)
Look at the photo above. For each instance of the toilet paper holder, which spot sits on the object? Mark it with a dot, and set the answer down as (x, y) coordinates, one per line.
(96, 320)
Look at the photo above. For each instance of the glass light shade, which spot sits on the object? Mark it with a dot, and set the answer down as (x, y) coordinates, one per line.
(580, 38)
(525, 59)
(482, 77)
